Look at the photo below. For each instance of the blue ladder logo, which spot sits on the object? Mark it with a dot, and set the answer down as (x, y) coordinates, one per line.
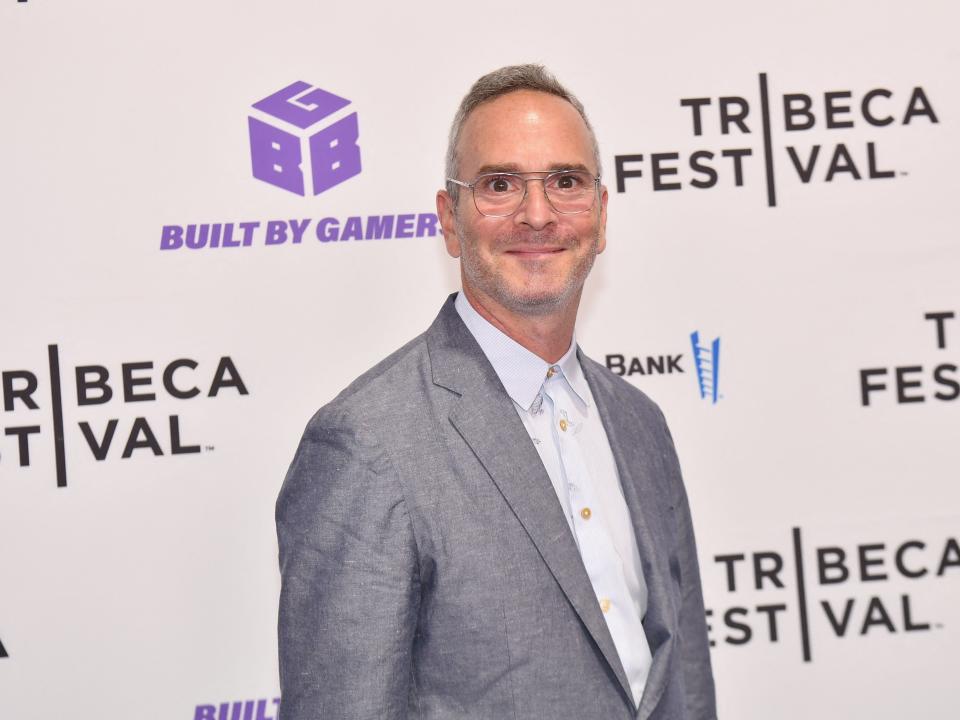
(706, 358)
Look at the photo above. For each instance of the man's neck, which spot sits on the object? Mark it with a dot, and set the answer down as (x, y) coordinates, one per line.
(548, 336)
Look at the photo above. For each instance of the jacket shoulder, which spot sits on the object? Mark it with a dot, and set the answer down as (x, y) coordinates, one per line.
(380, 391)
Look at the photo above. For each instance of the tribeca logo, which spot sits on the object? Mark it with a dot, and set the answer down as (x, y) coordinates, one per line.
(706, 360)
(304, 125)
(908, 380)
(858, 589)
(735, 118)
(94, 385)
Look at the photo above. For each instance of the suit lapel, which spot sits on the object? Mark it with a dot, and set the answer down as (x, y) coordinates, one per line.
(637, 463)
(485, 418)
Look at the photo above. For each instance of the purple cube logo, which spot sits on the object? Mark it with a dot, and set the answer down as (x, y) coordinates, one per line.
(309, 142)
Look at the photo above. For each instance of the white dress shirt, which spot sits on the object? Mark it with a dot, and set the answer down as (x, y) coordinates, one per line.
(560, 415)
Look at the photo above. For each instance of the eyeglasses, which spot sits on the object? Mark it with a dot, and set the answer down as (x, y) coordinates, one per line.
(501, 194)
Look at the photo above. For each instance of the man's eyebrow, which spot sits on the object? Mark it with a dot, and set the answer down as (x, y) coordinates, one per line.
(569, 166)
(514, 168)
(498, 168)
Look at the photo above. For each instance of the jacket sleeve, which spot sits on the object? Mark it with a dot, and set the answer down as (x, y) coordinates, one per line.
(349, 581)
(693, 642)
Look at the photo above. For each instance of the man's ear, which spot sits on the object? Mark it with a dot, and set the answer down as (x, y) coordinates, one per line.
(602, 239)
(446, 207)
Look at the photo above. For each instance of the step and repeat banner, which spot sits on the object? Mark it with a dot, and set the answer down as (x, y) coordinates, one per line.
(218, 214)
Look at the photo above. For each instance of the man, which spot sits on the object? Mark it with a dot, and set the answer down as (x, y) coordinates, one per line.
(488, 524)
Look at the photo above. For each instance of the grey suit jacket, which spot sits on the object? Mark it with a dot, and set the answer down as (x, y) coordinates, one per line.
(428, 571)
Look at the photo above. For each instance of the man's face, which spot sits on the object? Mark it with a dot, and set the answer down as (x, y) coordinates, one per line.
(535, 261)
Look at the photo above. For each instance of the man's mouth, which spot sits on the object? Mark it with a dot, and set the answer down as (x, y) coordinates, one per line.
(535, 250)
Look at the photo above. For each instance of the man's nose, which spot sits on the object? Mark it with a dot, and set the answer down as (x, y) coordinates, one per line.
(536, 210)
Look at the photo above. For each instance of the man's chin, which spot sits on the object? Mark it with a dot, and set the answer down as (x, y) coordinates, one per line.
(543, 302)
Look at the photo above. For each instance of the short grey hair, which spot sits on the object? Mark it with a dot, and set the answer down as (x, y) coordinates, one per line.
(500, 82)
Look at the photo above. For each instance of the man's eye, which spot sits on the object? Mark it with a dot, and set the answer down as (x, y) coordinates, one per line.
(498, 184)
(568, 182)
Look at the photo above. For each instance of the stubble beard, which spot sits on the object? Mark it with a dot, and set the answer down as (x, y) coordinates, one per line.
(530, 300)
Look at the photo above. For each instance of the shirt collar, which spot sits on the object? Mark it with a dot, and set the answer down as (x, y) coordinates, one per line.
(521, 371)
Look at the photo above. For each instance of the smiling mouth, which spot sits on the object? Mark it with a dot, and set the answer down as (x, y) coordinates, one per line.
(534, 251)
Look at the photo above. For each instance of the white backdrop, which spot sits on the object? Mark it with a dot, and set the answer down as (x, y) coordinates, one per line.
(146, 586)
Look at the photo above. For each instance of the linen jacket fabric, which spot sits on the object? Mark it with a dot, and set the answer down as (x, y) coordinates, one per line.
(428, 571)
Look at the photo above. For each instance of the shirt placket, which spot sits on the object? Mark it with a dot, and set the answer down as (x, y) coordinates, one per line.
(600, 558)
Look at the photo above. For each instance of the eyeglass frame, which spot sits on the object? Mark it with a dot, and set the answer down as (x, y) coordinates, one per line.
(546, 175)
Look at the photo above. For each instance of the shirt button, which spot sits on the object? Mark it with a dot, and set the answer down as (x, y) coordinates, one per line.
(552, 370)
(563, 425)
(585, 513)
(605, 604)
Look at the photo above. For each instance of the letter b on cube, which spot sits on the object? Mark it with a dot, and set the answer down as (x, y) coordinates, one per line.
(307, 144)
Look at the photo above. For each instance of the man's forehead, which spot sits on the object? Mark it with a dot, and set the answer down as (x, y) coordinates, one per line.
(524, 107)
(500, 133)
